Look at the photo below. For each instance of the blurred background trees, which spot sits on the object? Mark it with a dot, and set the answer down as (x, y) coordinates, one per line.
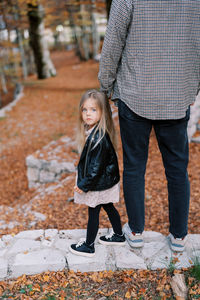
(31, 29)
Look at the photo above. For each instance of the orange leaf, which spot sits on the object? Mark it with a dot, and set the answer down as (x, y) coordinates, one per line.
(46, 278)
(128, 295)
(127, 279)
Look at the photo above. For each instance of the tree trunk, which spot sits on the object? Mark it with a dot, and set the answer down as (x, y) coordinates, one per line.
(108, 5)
(84, 33)
(74, 32)
(22, 53)
(30, 60)
(20, 40)
(44, 65)
(95, 35)
(3, 81)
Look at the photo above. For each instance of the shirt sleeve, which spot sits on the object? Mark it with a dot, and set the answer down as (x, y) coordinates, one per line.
(114, 42)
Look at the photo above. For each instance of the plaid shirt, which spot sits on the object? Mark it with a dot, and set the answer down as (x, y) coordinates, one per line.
(151, 56)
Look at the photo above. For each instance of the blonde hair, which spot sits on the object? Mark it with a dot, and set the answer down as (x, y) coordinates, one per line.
(105, 123)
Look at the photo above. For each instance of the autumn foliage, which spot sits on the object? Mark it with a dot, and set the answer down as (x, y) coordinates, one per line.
(47, 111)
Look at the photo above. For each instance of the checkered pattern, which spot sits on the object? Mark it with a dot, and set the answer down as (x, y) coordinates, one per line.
(151, 56)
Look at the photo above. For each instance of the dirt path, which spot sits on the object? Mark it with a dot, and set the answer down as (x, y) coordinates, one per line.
(47, 111)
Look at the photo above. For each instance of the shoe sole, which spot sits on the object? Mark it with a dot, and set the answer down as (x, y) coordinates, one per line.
(177, 248)
(134, 244)
(81, 253)
(112, 243)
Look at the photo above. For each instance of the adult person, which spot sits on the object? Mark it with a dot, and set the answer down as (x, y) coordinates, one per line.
(150, 60)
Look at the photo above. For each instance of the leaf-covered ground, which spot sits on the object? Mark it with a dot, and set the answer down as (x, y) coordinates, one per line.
(118, 285)
(47, 111)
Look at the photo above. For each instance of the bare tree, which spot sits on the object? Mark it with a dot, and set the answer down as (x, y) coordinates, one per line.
(108, 6)
(44, 65)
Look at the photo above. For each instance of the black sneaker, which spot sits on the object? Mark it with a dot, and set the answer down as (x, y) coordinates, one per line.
(112, 239)
(83, 249)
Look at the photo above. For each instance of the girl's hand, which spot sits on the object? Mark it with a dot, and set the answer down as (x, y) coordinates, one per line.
(76, 188)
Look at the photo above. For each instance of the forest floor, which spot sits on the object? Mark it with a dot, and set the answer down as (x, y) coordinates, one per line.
(46, 112)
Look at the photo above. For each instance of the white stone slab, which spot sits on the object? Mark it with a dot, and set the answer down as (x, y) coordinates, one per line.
(37, 262)
(163, 260)
(127, 259)
(2, 244)
(193, 241)
(151, 249)
(55, 167)
(3, 268)
(46, 176)
(103, 231)
(7, 239)
(63, 244)
(22, 245)
(9, 106)
(50, 233)
(183, 261)
(33, 174)
(72, 234)
(76, 234)
(152, 236)
(2, 252)
(68, 167)
(88, 264)
(33, 162)
(30, 234)
(194, 256)
(47, 243)
(38, 215)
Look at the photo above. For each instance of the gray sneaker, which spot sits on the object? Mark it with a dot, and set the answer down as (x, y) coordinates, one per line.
(135, 240)
(177, 244)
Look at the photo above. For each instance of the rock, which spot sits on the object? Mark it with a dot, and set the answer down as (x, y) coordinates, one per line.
(178, 286)
(153, 236)
(46, 176)
(125, 258)
(33, 162)
(37, 262)
(151, 249)
(162, 261)
(88, 264)
(3, 268)
(50, 233)
(38, 216)
(24, 245)
(33, 174)
(63, 244)
(30, 234)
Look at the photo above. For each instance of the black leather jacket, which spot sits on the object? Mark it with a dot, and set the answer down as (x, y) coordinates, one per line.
(98, 166)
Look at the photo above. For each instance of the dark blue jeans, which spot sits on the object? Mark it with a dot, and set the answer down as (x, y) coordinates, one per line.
(173, 144)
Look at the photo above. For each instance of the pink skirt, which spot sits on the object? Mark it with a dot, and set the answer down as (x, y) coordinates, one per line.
(95, 198)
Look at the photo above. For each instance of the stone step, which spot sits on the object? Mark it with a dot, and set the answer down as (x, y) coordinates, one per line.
(49, 163)
(33, 252)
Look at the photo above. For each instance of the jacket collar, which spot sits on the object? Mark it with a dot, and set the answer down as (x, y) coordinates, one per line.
(91, 131)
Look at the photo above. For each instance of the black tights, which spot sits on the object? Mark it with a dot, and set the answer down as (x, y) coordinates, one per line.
(93, 221)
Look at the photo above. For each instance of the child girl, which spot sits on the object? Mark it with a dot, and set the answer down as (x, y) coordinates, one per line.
(97, 182)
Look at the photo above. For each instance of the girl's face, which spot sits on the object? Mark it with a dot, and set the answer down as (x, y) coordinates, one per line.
(91, 113)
